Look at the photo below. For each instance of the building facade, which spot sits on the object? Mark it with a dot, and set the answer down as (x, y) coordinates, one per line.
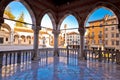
(95, 36)
(103, 33)
(73, 39)
(21, 34)
(112, 36)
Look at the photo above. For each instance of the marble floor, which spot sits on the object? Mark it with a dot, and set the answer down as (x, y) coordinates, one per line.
(61, 68)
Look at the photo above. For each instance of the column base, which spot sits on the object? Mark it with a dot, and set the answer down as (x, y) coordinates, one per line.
(56, 53)
(80, 57)
(36, 59)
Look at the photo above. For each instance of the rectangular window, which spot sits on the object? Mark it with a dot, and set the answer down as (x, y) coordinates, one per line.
(117, 43)
(106, 42)
(93, 41)
(112, 22)
(106, 35)
(112, 42)
(116, 27)
(106, 29)
(100, 32)
(100, 41)
(112, 35)
(92, 35)
(1, 40)
(112, 28)
(117, 34)
(6, 39)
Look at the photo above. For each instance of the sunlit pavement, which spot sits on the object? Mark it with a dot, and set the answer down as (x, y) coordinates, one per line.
(61, 68)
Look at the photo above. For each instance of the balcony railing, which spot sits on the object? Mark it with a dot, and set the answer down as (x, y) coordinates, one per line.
(24, 56)
(109, 56)
(15, 57)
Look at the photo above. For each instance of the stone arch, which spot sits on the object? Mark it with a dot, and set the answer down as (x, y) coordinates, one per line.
(107, 5)
(4, 25)
(27, 6)
(30, 12)
(23, 39)
(28, 36)
(16, 39)
(29, 39)
(66, 14)
(51, 14)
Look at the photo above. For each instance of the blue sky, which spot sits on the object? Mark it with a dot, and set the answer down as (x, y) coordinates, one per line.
(17, 8)
(46, 21)
(99, 14)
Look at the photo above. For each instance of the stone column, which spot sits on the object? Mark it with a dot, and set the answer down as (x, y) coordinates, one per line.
(56, 34)
(81, 53)
(35, 45)
(1, 20)
(11, 37)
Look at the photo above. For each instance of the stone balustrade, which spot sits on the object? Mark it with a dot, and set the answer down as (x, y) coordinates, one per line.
(25, 56)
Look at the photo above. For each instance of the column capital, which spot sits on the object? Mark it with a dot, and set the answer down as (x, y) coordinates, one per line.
(81, 31)
(56, 32)
(36, 29)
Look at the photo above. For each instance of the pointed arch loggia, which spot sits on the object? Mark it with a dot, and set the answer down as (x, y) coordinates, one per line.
(67, 13)
(51, 16)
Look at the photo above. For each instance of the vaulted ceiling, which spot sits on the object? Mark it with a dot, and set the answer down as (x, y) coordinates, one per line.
(61, 2)
(59, 9)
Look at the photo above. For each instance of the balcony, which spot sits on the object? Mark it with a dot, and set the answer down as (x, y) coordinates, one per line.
(17, 65)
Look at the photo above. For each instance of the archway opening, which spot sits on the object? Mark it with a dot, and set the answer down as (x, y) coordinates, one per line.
(46, 38)
(102, 29)
(69, 35)
(17, 16)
